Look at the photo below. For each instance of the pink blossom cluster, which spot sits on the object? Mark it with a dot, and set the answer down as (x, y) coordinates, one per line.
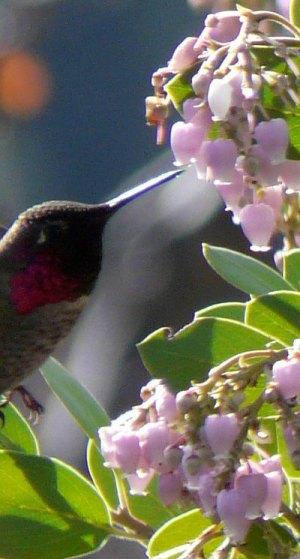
(198, 458)
(286, 375)
(227, 133)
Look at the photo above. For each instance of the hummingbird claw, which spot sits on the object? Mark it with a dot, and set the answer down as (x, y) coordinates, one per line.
(36, 409)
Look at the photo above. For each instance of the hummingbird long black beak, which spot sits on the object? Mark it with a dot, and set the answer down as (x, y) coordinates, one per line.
(127, 197)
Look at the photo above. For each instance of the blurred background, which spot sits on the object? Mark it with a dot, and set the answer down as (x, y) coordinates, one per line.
(73, 78)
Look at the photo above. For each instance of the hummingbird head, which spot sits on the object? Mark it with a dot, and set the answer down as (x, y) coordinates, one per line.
(53, 251)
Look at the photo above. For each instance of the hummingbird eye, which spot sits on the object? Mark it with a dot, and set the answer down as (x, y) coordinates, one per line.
(42, 238)
(51, 231)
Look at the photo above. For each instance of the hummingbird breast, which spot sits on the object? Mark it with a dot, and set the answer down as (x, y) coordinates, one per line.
(27, 340)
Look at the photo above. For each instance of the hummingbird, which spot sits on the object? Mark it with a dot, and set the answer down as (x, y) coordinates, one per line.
(50, 259)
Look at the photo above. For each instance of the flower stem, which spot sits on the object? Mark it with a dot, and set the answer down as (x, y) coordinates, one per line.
(217, 372)
(262, 15)
(140, 529)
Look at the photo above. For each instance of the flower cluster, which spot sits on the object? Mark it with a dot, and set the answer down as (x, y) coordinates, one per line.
(286, 375)
(199, 453)
(230, 130)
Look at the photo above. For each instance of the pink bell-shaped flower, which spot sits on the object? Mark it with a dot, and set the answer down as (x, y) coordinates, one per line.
(170, 487)
(222, 27)
(186, 140)
(273, 137)
(139, 481)
(154, 438)
(199, 116)
(221, 431)
(258, 166)
(231, 507)
(207, 493)
(290, 175)
(183, 56)
(232, 193)
(127, 451)
(220, 98)
(218, 158)
(254, 489)
(272, 503)
(165, 404)
(286, 373)
(201, 82)
(272, 196)
(258, 223)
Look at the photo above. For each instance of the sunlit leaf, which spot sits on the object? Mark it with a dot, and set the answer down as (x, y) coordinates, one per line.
(48, 509)
(244, 272)
(149, 508)
(16, 433)
(176, 534)
(179, 89)
(233, 311)
(291, 267)
(194, 350)
(295, 12)
(103, 478)
(77, 399)
(276, 315)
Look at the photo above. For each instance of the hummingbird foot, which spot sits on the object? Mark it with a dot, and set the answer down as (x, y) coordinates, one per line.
(36, 409)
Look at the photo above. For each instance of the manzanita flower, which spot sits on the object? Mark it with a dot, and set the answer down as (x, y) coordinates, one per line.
(120, 448)
(217, 160)
(165, 404)
(261, 485)
(201, 82)
(139, 481)
(292, 438)
(186, 139)
(221, 431)
(286, 373)
(273, 137)
(170, 487)
(183, 56)
(272, 196)
(232, 193)
(197, 113)
(154, 438)
(231, 507)
(289, 173)
(222, 27)
(186, 400)
(258, 223)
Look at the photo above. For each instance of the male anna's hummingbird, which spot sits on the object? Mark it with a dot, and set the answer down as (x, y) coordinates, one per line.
(50, 259)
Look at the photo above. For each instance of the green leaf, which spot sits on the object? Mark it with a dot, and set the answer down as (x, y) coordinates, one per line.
(149, 508)
(177, 534)
(277, 315)
(179, 89)
(103, 478)
(255, 546)
(80, 403)
(283, 534)
(244, 272)
(295, 12)
(16, 433)
(48, 509)
(233, 311)
(265, 56)
(194, 350)
(291, 267)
